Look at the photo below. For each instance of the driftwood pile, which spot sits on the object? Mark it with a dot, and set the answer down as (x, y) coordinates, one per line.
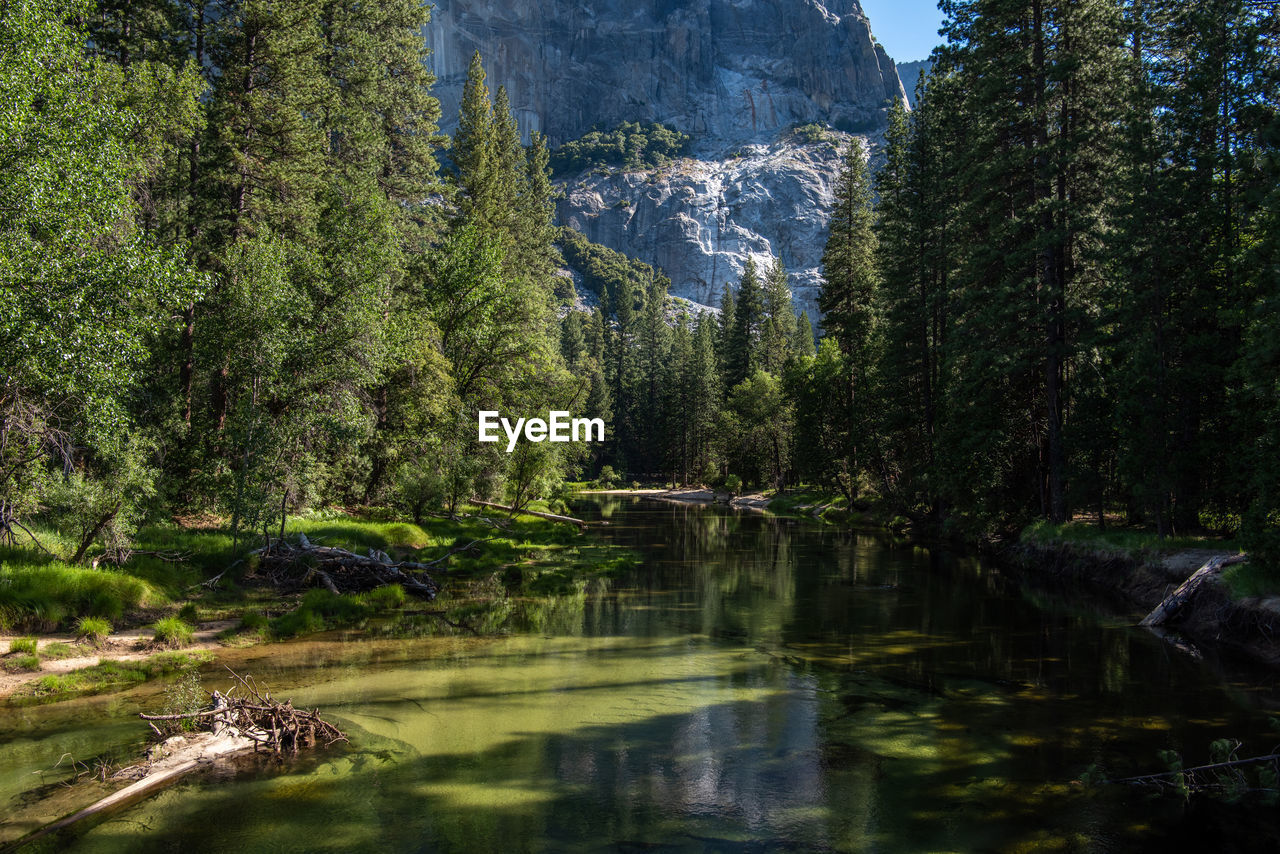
(304, 564)
(234, 726)
(267, 723)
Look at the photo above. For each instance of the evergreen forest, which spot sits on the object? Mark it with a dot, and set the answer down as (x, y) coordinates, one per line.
(243, 273)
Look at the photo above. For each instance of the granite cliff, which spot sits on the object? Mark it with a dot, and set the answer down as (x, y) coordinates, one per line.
(737, 75)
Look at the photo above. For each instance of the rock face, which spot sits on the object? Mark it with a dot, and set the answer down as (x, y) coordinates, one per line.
(699, 220)
(910, 74)
(737, 75)
(720, 70)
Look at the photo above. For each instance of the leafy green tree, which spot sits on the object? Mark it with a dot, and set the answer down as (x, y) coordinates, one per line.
(81, 290)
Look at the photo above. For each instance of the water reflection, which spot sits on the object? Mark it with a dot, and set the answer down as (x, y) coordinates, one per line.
(755, 685)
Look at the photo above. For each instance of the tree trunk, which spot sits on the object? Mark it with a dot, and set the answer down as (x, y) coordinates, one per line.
(1180, 597)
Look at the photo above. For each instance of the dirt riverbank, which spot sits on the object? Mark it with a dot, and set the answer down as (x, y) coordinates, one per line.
(1247, 627)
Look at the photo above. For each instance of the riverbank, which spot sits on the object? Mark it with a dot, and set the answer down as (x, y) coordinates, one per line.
(1136, 581)
(495, 571)
(1128, 572)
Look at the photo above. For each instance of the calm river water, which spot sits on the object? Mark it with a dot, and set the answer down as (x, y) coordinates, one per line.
(756, 685)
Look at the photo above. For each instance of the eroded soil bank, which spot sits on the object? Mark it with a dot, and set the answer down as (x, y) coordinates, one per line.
(1248, 627)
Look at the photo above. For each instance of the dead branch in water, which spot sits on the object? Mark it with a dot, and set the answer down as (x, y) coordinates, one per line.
(255, 716)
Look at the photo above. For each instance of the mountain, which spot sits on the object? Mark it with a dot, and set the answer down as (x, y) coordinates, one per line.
(738, 76)
(910, 73)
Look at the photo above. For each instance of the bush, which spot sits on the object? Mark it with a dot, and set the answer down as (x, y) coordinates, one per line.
(189, 613)
(733, 484)
(23, 645)
(93, 630)
(182, 697)
(253, 621)
(173, 632)
(608, 477)
(811, 133)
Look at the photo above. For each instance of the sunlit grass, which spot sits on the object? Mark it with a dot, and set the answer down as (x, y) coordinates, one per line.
(44, 596)
(108, 675)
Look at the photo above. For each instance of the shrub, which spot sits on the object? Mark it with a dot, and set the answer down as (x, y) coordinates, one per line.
(173, 632)
(629, 145)
(181, 697)
(27, 645)
(93, 630)
(609, 477)
(811, 133)
(733, 484)
(189, 613)
(253, 621)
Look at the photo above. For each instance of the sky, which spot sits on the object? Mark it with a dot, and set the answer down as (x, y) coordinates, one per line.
(908, 29)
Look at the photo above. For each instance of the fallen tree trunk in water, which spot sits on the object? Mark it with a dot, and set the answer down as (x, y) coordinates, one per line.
(1180, 597)
(551, 516)
(249, 723)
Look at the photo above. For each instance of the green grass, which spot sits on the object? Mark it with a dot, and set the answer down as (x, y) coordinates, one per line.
(173, 632)
(1117, 539)
(57, 650)
(45, 596)
(384, 598)
(27, 661)
(110, 675)
(93, 630)
(319, 611)
(23, 645)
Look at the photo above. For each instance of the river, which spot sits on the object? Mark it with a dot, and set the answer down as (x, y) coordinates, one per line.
(756, 684)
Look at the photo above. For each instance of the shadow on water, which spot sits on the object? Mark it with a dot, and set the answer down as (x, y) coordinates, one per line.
(756, 685)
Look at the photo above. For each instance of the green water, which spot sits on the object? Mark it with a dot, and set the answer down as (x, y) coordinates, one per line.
(756, 685)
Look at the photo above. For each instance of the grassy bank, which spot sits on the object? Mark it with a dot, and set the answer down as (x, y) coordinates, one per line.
(1145, 546)
(516, 573)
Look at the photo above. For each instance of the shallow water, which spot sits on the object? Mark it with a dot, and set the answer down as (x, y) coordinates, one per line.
(756, 685)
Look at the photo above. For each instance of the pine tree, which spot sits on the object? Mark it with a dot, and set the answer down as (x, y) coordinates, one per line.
(803, 343)
(916, 202)
(743, 345)
(848, 304)
(1038, 82)
(848, 263)
(778, 332)
(474, 151)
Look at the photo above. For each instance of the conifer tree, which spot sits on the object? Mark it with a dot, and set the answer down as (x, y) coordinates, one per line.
(778, 332)
(848, 263)
(742, 355)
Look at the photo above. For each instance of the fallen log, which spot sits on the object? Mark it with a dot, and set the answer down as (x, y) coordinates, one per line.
(341, 571)
(235, 725)
(1172, 604)
(551, 516)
